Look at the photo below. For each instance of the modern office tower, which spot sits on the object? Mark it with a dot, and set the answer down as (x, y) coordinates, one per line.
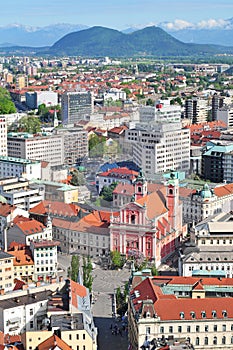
(76, 105)
(160, 147)
(3, 136)
(196, 110)
(75, 142)
(43, 147)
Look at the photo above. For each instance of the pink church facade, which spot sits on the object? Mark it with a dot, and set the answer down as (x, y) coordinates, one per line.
(150, 226)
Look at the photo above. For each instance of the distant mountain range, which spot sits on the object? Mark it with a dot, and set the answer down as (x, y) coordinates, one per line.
(20, 35)
(150, 41)
(219, 32)
(101, 41)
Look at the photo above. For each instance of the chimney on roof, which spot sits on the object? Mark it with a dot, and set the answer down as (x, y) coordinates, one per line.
(2, 291)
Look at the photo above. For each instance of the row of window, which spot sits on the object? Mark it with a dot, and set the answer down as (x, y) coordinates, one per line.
(196, 328)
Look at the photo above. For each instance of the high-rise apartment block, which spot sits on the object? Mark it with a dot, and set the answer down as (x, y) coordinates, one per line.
(76, 105)
(196, 110)
(44, 147)
(36, 98)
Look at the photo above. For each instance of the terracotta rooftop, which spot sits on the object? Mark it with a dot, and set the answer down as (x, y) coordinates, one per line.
(55, 208)
(155, 204)
(53, 343)
(22, 257)
(77, 290)
(31, 226)
(6, 209)
(225, 190)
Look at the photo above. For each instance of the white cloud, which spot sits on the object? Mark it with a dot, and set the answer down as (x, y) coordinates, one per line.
(178, 24)
(211, 23)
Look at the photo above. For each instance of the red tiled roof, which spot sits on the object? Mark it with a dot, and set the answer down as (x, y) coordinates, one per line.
(55, 208)
(119, 171)
(6, 209)
(77, 290)
(225, 190)
(155, 204)
(52, 343)
(31, 226)
(126, 189)
(22, 257)
(18, 284)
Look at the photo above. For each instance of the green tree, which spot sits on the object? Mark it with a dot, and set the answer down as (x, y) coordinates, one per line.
(150, 102)
(117, 259)
(77, 178)
(106, 192)
(6, 104)
(87, 273)
(96, 146)
(30, 124)
(74, 270)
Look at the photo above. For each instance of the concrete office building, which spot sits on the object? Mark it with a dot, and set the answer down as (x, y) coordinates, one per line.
(160, 147)
(43, 147)
(76, 105)
(161, 112)
(18, 167)
(75, 141)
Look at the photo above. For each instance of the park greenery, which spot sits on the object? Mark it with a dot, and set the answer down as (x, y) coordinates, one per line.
(6, 104)
(29, 124)
(96, 146)
(47, 113)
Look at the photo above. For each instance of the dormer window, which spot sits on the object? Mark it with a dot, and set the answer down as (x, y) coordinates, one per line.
(224, 313)
(192, 314)
(133, 219)
(170, 191)
(181, 314)
(203, 314)
(214, 314)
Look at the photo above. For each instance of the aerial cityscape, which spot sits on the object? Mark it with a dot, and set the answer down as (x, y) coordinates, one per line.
(116, 175)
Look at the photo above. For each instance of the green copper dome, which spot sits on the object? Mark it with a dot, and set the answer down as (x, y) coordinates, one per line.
(206, 192)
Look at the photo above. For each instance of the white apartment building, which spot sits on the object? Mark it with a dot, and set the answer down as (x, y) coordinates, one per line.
(18, 167)
(45, 259)
(160, 147)
(36, 98)
(6, 272)
(3, 136)
(21, 193)
(43, 147)
(23, 313)
(196, 109)
(161, 112)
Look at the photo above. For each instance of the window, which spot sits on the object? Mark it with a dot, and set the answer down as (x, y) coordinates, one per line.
(31, 312)
(83, 336)
(224, 327)
(203, 314)
(77, 336)
(147, 330)
(70, 336)
(197, 341)
(223, 340)
(224, 313)
(232, 340)
(161, 329)
(181, 314)
(214, 313)
(188, 329)
(206, 341)
(170, 329)
(215, 328)
(215, 341)
(192, 314)
(31, 324)
(197, 328)
(84, 347)
(179, 329)
(77, 347)
(206, 328)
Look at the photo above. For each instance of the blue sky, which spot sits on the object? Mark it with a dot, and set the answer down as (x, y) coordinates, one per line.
(117, 14)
